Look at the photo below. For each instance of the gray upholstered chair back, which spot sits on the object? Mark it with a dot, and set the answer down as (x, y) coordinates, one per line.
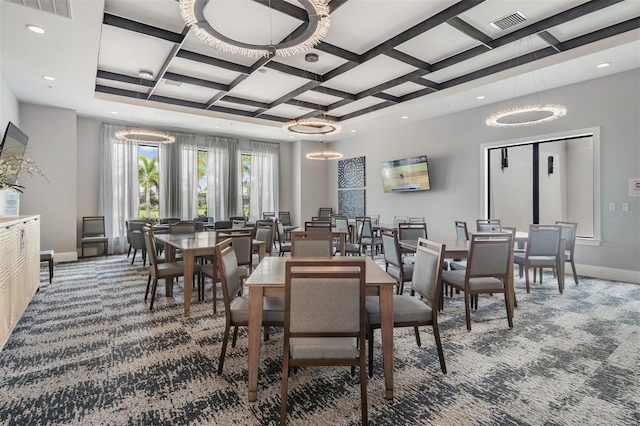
(242, 245)
(392, 253)
(229, 271)
(182, 227)
(489, 256)
(342, 223)
(568, 232)
(168, 220)
(375, 219)
(281, 233)
(238, 224)
(325, 211)
(412, 231)
(364, 227)
(264, 232)
(92, 226)
(150, 243)
(544, 240)
(318, 225)
(311, 244)
(427, 270)
(285, 217)
(487, 225)
(461, 230)
(399, 219)
(266, 215)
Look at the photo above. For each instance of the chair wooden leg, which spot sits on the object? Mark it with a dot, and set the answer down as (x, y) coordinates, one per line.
(575, 274)
(146, 293)
(153, 292)
(370, 342)
(235, 336)
(436, 335)
(509, 311)
(526, 278)
(223, 350)
(215, 296)
(467, 310)
(285, 382)
(417, 333)
(129, 252)
(363, 392)
(50, 270)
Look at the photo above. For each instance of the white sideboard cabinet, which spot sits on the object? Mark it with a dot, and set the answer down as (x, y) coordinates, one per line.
(19, 269)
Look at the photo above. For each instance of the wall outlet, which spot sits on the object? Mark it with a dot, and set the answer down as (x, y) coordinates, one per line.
(625, 207)
(612, 207)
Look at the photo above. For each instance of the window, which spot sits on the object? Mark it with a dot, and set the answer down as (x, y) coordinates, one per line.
(148, 181)
(203, 167)
(245, 160)
(543, 180)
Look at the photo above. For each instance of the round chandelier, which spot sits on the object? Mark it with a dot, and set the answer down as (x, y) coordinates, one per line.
(143, 135)
(192, 12)
(324, 155)
(526, 115)
(312, 126)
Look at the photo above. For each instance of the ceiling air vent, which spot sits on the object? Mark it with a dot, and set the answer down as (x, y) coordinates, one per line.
(172, 83)
(511, 20)
(57, 7)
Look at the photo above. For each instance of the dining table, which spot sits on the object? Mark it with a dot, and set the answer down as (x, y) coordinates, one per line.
(268, 279)
(192, 245)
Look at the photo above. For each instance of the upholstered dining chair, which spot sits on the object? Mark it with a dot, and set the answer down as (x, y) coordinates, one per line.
(126, 224)
(93, 233)
(324, 319)
(238, 224)
(569, 233)
(267, 215)
(285, 217)
(416, 220)
(543, 251)
(366, 236)
(265, 231)
(284, 246)
(399, 219)
(350, 247)
(409, 310)
(411, 231)
(168, 220)
(137, 241)
(237, 306)
(325, 211)
(487, 225)
(488, 269)
(182, 227)
(158, 271)
(311, 244)
(318, 225)
(394, 261)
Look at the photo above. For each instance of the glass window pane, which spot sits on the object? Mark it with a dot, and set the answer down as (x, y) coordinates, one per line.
(148, 181)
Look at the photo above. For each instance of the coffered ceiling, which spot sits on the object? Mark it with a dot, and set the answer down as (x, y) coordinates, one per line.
(379, 61)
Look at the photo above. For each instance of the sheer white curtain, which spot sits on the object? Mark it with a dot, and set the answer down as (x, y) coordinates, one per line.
(179, 177)
(118, 192)
(265, 161)
(223, 185)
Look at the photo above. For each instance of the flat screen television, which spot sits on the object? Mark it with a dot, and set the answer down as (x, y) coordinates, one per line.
(406, 175)
(14, 144)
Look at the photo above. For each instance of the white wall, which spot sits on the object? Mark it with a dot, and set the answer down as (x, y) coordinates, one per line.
(452, 144)
(8, 106)
(88, 172)
(579, 179)
(53, 147)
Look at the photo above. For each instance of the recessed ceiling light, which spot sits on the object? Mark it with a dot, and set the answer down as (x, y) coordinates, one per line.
(36, 29)
(292, 137)
(603, 65)
(48, 77)
(353, 131)
(114, 112)
(404, 117)
(216, 127)
(481, 97)
(147, 75)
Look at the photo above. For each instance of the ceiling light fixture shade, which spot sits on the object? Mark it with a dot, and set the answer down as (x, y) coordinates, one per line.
(532, 114)
(144, 135)
(192, 12)
(527, 115)
(312, 126)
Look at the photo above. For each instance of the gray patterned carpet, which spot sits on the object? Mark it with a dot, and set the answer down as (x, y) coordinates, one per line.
(87, 351)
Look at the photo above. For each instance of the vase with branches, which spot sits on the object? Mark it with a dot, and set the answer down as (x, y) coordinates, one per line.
(11, 166)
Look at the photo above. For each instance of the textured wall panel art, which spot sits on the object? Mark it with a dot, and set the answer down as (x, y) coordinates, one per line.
(352, 202)
(351, 173)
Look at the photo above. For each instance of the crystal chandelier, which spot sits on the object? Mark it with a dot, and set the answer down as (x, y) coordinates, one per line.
(324, 155)
(527, 115)
(192, 12)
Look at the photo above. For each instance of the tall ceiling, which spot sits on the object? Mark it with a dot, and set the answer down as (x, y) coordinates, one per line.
(380, 61)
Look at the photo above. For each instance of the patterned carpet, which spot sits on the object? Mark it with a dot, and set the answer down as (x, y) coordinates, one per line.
(87, 351)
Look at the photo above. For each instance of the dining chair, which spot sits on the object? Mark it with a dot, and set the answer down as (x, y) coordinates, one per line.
(182, 227)
(366, 236)
(461, 234)
(543, 251)
(412, 311)
(93, 233)
(321, 219)
(238, 224)
(325, 211)
(267, 215)
(236, 306)
(399, 219)
(284, 246)
(488, 269)
(126, 225)
(411, 231)
(318, 225)
(285, 217)
(324, 319)
(137, 241)
(264, 231)
(222, 224)
(569, 233)
(311, 244)
(350, 247)
(158, 271)
(394, 262)
(242, 246)
(415, 220)
(487, 225)
(168, 220)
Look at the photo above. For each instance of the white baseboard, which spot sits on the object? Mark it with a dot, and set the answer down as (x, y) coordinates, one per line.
(69, 256)
(611, 274)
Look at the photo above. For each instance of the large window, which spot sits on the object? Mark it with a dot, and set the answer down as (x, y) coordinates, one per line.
(544, 180)
(245, 161)
(203, 167)
(148, 181)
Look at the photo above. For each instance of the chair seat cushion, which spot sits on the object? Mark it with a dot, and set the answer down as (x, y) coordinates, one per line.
(456, 279)
(272, 309)
(405, 309)
(170, 269)
(458, 265)
(323, 347)
(394, 271)
(94, 239)
(521, 259)
(46, 255)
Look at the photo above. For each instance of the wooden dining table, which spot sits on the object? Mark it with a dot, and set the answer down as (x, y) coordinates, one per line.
(268, 280)
(192, 245)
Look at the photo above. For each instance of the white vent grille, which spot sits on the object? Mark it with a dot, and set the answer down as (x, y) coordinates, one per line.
(172, 83)
(57, 7)
(509, 21)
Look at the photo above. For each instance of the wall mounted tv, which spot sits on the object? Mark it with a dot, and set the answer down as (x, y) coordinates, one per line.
(14, 144)
(406, 175)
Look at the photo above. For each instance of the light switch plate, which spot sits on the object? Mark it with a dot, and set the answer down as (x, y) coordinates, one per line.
(612, 207)
(625, 207)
